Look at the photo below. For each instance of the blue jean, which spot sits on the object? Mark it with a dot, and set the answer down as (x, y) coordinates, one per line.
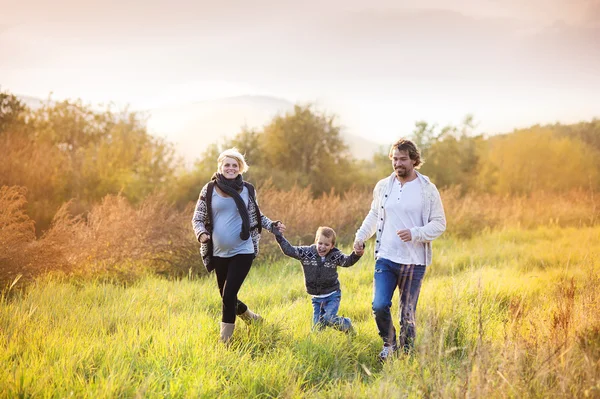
(325, 313)
(407, 278)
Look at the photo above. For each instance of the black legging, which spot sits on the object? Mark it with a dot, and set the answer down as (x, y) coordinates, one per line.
(231, 273)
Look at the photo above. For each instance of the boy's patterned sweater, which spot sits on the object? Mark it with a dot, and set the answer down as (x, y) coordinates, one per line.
(320, 277)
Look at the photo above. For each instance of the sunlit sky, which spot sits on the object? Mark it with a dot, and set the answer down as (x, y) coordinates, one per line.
(380, 65)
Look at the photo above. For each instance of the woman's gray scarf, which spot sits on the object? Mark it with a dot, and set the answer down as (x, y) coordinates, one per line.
(232, 187)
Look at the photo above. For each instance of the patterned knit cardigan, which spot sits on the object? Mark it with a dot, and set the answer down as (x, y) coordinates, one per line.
(200, 223)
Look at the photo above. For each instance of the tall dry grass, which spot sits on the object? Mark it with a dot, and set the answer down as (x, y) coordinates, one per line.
(118, 238)
(471, 213)
(115, 239)
(21, 255)
(493, 330)
(121, 241)
(303, 214)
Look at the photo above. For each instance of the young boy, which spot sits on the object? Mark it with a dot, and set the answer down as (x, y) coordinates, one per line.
(319, 262)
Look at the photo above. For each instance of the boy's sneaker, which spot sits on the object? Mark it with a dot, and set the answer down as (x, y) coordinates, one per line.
(351, 331)
(387, 352)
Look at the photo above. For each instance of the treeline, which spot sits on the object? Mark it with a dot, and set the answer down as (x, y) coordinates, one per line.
(305, 148)
(68, 151)
(92, 192)
(553, 158)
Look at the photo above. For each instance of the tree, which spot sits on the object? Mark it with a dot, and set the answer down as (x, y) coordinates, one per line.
(12, 111)
(424, 136)
(538, 159)
(306, 146)
(451, 155)
(186, 187)
(67, 151)
(248, 142)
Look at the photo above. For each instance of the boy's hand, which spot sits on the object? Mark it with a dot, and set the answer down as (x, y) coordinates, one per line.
(359, 246)
(278, 227)
(281, 227)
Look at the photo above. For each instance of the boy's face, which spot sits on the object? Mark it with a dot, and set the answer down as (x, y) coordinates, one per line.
(324, 245)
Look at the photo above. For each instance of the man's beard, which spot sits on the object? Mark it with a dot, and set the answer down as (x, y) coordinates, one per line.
(401, 172)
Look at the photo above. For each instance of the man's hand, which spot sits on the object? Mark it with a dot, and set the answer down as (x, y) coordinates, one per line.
(404, 235)
(359, 247)
(204, 237)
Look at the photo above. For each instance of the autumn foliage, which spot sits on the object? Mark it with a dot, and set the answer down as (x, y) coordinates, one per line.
(91, 193)
(121, 241)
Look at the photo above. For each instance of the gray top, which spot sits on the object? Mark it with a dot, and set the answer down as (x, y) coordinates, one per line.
(227, 224)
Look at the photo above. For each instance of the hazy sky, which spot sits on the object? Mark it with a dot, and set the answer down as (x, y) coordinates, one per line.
(380, 65)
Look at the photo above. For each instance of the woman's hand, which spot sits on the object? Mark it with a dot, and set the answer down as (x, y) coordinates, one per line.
(204, 237)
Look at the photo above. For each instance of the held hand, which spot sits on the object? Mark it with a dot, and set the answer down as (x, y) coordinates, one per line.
(204, 237)
(281, 227)
(404, 235)
(359, 252)
(359, 246)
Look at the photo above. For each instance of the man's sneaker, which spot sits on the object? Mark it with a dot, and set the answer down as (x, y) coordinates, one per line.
(387, 352)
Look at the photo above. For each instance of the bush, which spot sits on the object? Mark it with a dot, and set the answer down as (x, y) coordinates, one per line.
(473, 213)
(121, 241)
(21, 255)
(303, 214)
(153, 234)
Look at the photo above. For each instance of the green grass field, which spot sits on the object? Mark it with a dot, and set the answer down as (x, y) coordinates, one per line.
(511, 313)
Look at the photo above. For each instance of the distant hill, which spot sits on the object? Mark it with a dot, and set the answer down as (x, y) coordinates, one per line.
(193, 126)
(32, 102)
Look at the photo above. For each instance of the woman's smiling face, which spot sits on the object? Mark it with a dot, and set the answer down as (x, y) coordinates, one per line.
(230, 168)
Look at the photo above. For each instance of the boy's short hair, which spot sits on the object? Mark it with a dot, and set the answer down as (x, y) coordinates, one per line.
(327, 232)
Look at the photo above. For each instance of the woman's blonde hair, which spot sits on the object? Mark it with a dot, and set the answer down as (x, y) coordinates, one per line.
(235, 154)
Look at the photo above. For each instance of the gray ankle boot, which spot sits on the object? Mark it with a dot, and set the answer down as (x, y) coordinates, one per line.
(226, 331)
(250, 317)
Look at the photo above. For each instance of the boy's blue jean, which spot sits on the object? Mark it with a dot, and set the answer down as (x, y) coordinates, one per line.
(325, 313)
(407, 278)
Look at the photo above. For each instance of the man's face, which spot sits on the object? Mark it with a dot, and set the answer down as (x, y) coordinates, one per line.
(402, 164)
